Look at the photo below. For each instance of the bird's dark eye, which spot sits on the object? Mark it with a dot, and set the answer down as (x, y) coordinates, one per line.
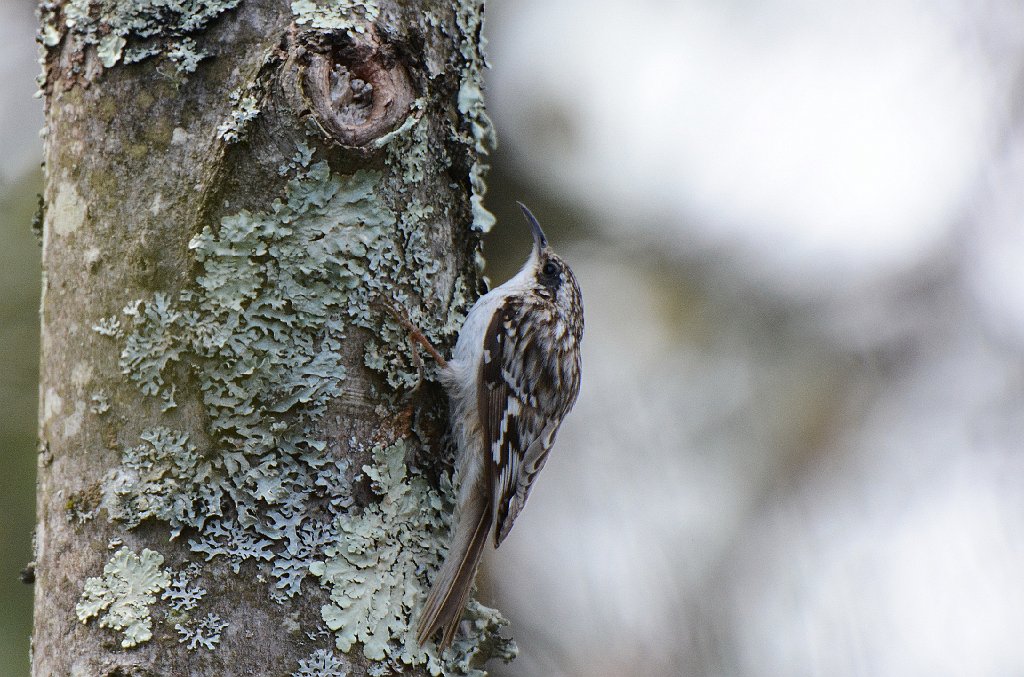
(550, 268)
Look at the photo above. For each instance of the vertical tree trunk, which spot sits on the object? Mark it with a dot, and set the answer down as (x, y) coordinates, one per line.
(238, 473)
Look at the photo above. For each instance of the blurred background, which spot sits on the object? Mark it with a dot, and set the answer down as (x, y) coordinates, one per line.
(798, 228)
(21, 118)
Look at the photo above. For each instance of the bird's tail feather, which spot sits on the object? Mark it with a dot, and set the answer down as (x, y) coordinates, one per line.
(447, 598)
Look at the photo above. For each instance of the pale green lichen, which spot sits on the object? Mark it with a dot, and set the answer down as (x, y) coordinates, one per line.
(153, 345)
(288, 282)
(185, 54)
(49, 35)
(109, 49)
(182, 594)
(408, 147)
(351, 16)
(244, 109)
(469, 653)
(263, 332)
(131, 30)
(233, 541)
(125, 592)
(413, 119)
(204, 633)
(321, 663)
(376, 571)
(163, 478)
(128, 589)
(372, 568)
(108, 326)
(469, 17)
(100, 402)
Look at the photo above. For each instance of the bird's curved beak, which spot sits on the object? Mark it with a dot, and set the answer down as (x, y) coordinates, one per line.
(539, 240)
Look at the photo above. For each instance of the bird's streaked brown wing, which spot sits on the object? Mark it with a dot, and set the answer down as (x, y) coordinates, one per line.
(524, 394)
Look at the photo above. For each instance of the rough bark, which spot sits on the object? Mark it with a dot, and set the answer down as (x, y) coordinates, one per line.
(224, 407)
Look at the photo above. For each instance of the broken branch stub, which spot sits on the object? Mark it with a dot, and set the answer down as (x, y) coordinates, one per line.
(355, 88)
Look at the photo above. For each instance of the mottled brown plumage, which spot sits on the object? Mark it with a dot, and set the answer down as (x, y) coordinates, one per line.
(514, 376)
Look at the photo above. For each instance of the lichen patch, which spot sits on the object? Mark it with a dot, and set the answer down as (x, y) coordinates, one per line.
(128, 31)
(352, 16)
(124, 594)
(375, 572)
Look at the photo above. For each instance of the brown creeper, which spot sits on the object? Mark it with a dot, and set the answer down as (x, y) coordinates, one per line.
(514, 376)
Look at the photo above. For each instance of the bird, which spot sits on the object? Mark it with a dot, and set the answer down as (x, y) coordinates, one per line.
(513, 376)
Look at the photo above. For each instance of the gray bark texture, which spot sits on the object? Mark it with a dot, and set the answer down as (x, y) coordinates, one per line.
(243, 465)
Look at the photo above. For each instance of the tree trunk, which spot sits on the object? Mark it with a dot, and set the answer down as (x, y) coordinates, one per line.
(243, 469)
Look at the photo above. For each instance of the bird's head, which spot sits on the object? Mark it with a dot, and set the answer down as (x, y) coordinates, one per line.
(550, 275)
